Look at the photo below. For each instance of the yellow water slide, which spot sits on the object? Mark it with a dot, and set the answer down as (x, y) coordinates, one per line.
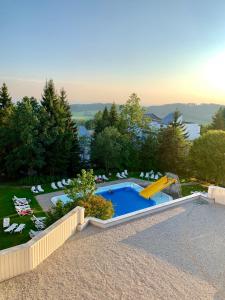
(157, 186)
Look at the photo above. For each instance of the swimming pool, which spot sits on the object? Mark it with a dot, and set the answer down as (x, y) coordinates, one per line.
(125, 198)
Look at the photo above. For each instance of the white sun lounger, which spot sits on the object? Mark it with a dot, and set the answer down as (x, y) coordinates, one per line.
(147, 175)
(53, 186)
(64, 182)
(11, 228)
(152, 176)
(40, 189)
(6, 222)
(20, 228)
(19, 199)
(34, 190)
(105, 178)
(123, 175)
(119, 176)
(142, 175)
(59, 184)
(20, 202)
(69, 181)
(125, 172)
(33, 233)
(156, 176)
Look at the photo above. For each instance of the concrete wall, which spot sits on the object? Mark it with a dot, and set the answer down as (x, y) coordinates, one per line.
(25, 257)
(217, 194)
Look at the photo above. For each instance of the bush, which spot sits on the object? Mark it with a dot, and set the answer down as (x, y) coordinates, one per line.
(98, 207)
(57, 212)
(207, 157)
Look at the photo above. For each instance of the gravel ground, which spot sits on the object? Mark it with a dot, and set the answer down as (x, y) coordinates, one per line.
(175, 254)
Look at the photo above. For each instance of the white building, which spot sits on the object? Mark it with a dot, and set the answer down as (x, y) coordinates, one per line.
(192, 129)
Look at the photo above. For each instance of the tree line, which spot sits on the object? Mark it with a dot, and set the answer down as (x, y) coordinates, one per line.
(37, 138)
(123, 139)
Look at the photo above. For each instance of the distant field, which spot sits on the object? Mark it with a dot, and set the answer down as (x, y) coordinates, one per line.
(84, 115)
(201, 114)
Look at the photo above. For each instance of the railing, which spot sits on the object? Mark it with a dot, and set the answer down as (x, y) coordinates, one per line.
(217, 194)
(25, 257)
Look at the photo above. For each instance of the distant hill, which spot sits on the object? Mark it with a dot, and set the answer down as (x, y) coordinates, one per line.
(198, 113)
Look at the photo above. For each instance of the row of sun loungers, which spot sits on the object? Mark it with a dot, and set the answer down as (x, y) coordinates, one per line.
(150, 175)
(22, 206)
(37, 189)
(60, 184)
(123, 174)
(16, 228)
(101, 178)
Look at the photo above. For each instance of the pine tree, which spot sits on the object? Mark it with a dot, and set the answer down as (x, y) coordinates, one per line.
(218, 121)
(172, 151)
(113, 115)
(177, 123)
(62, 150)
(5, 99)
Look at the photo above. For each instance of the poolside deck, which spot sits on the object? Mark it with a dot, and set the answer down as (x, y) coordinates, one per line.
(175, 254)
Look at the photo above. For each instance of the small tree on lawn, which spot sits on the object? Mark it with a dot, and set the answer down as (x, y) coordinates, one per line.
(82, 187)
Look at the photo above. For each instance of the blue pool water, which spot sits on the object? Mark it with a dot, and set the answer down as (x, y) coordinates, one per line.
(125, 198)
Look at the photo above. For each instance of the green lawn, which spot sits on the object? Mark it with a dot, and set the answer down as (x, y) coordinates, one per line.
(7, 191)
(187, 189)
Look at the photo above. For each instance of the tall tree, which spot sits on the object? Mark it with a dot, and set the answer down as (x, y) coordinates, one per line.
(26, 155)
(133, 114)
(5, 99)
(207, 157)
(148, 153)
(108, 150)
(173, 150)
(177, 123)
(113, 115)
(61, 141)
(218, 121)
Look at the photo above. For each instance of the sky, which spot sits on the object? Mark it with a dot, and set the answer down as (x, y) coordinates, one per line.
(101, 51)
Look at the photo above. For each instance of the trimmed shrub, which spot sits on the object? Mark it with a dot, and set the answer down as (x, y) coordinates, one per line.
(98, 207)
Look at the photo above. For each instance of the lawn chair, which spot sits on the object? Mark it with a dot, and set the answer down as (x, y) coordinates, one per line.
(19, 199)
(147, 175)
(40, 189)
(34, 190)
(69, 181)
(123, 175)
(105, 178)
(33, 233)
(142, 175)
(11, 228)
(152, 176)
(6, 222)
(53, 186)
(156, 177)
(24, 212)
(59, 183)
(125, 172)
(20, 228)
(119, 176)
(64, 182)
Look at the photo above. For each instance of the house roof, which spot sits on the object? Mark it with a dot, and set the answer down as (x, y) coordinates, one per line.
(153, 117)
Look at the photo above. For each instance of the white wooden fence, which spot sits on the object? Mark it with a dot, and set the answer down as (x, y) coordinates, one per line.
(25, 257)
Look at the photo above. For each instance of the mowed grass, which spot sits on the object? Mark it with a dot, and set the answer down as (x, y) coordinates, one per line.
(188, 189)
(7, 191)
